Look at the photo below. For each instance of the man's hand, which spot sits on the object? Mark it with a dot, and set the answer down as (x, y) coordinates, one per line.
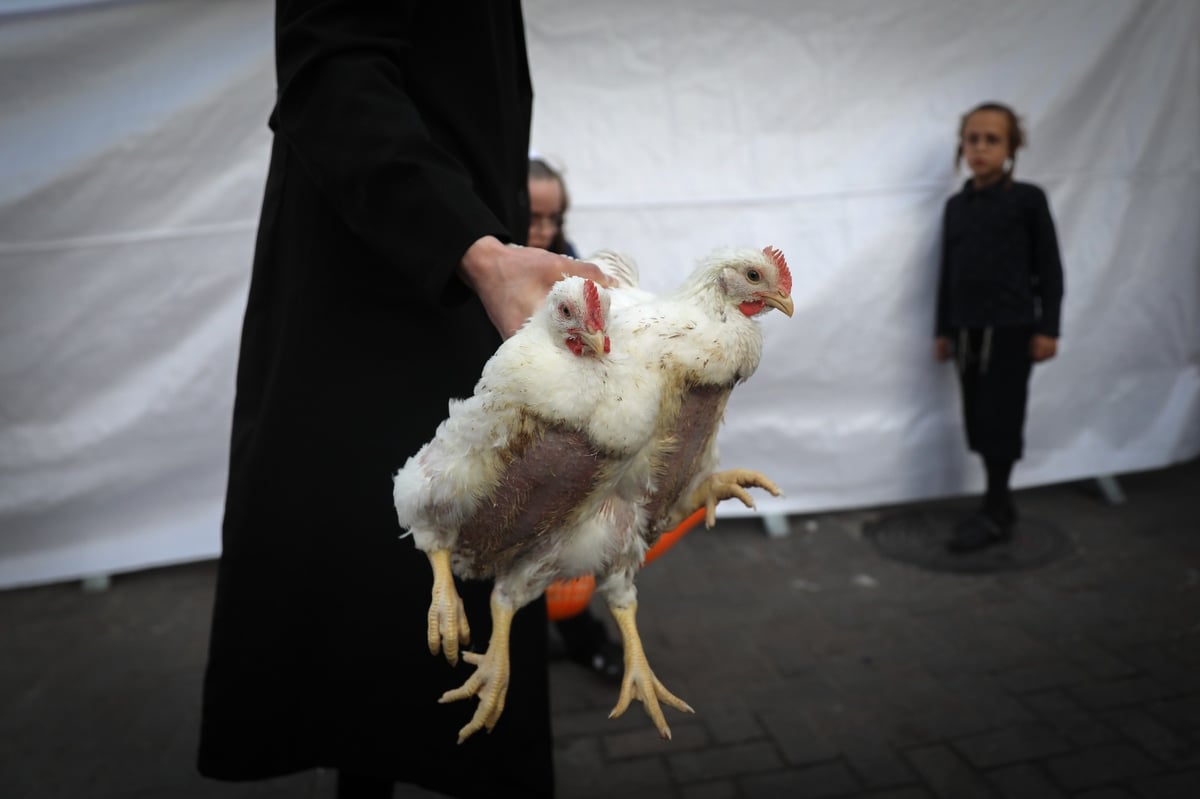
(513, 281)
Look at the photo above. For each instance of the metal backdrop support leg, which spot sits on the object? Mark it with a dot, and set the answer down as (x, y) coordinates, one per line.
(1110, 489)
(94, 583)
(776, 525)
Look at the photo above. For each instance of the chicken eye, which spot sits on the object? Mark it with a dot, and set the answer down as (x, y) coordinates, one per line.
(753, 275)
(564, 311)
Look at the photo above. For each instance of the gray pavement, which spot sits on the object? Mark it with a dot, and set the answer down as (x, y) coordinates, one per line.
(817, 665)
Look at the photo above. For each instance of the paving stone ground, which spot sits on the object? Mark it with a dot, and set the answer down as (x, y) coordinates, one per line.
(817, 665)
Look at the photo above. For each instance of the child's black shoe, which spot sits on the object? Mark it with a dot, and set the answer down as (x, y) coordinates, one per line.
(981, 530)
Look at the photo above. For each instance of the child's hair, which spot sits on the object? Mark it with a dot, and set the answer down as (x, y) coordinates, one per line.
(540, 169)
(1016, 135)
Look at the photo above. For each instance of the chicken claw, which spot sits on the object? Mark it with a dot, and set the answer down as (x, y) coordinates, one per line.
(447, 619)
(639, 681)
(489, 681)
(729, 485)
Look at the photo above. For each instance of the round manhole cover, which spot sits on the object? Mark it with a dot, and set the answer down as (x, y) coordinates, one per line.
(919, 537)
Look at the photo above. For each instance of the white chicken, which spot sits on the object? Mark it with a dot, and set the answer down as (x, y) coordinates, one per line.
(710, 341)
(515, 479)
(573, 456)
(701, 341)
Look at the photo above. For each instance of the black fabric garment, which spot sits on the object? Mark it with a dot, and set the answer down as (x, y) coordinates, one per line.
(1000, 263)
(994, 378)
(401, 137)
(356, 786)
(583, 635)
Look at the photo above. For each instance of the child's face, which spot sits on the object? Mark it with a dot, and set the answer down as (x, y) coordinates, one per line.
(985, 145)
(545, 211)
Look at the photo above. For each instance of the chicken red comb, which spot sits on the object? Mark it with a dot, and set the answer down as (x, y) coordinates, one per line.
(785, 274)
(594, 317)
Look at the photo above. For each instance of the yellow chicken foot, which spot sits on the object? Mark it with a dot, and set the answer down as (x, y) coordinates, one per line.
(447, 619)
(490, 680)
(639, 681)
(728, 485)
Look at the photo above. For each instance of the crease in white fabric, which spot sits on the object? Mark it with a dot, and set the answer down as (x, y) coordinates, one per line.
(130, 237)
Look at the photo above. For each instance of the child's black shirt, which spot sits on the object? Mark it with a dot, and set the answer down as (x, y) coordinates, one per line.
(1000, 262)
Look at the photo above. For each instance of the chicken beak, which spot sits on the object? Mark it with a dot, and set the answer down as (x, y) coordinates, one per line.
(780, 301)
(595, 340)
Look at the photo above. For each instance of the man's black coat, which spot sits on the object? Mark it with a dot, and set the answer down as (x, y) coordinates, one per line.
(400, 137)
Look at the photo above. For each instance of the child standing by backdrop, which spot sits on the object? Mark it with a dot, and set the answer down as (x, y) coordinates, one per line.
(999, 296)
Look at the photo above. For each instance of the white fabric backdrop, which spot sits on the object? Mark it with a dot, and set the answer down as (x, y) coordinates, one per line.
(134, 150)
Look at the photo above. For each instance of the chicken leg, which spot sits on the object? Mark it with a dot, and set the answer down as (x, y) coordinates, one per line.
(639, 681)
(447, 619)
(726, 485)
(490, 680)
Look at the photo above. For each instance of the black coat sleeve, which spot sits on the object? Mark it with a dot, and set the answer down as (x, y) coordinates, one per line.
(346, 110)
(941, 324)
(1047, 268)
